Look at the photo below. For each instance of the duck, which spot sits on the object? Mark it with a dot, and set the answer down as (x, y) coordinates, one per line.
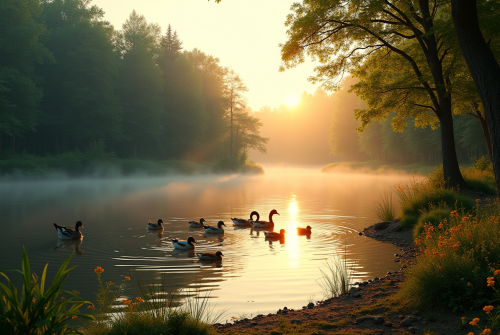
(304, 231)
(215, 230)
(67, 233)
(196, 224)
(274, 235)
(210, 256)
(266, 224)
(243, 222)
(158, 225)
(184, 244)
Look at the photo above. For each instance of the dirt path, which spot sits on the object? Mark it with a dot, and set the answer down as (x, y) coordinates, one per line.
(368, 308)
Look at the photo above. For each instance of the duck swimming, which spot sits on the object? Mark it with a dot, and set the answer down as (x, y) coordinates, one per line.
(266, 224)
(215, 230)
(243, 222)
(66, 233)
(304, 231)
(210, 256)
(196, 224)
(184, 244)
(274, 235)
(158, 225)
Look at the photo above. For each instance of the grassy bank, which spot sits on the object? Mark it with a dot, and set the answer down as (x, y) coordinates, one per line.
(377, 167)
(96, 163)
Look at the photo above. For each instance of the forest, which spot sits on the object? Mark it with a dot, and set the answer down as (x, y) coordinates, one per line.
(71, 83)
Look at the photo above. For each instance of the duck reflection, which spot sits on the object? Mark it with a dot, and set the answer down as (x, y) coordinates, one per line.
(70, 243)
(220, 238)
(179, 252)
(157, 232)
(271, 240)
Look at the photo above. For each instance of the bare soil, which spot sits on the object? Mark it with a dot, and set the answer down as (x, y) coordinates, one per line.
(369, 308)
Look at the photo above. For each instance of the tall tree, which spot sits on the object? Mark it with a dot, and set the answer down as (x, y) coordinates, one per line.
(20, 50)
(80, 101)
(140, 86)
(344, 35)
(234, 93)
(483, 66)
(248, 134)
(170, 44)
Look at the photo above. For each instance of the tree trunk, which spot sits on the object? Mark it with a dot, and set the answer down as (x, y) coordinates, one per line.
(486, 133)
(484, 69)
(451, 169)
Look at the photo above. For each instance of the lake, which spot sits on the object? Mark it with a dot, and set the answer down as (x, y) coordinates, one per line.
(255, 276)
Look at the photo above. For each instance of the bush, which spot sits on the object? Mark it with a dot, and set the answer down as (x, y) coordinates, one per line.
(385, 208)
(456, 257)
(434, 217)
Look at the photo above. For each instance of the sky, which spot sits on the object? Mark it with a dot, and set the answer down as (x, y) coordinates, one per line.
(244, 34)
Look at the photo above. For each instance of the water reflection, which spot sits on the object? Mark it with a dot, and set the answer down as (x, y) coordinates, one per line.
(114, 212)
(71, 244)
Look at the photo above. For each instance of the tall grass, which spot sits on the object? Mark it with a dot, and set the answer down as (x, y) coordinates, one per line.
(157, 312)
(386, 208)
(39, 309)
(336, 276)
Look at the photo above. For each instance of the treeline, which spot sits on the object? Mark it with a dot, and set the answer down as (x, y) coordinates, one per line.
(69, 80)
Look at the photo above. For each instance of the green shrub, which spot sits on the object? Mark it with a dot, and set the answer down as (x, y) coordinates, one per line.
(39, 309)
(434, 217)
(456, 259)
(385, 208)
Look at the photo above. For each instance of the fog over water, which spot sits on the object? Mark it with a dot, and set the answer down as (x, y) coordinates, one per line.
(255, 276)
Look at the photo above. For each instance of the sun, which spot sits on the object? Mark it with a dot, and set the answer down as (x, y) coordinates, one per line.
(292, 100)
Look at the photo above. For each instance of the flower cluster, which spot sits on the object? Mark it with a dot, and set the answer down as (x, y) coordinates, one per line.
(98, 270)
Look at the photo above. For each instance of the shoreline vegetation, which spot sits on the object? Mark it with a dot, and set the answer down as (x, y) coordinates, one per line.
(99, 164)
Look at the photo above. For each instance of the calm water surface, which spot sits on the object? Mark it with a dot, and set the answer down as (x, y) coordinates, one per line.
(256, 276)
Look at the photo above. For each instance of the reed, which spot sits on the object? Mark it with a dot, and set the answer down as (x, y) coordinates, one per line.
(39, 309)
(386, 208)
(336, 276)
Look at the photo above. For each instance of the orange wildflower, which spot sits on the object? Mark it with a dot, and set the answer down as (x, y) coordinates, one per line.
(474, 322)
(490, 281)
(440, 226)
(139, 299)
(91, 306)
(465, 218)
(34, 300)
(486, 331)
(488, 309)
(74, 317)
(127, 278)
(98, 270)
(496, 273)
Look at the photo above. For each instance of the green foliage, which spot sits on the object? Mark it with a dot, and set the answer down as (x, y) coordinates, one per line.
(457, 256)
(39, 309)
(385, 208)
(482, 164)
(434, 217)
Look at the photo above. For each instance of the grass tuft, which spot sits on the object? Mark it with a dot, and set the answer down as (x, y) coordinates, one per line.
(386, 208)
(336, 277)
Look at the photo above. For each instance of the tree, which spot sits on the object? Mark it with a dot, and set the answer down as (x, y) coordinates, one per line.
(80, 101)
(234, 93)
(170, 44)
(343, 36)
(248, 134)
(20, 50)
(483, 66)
(140, 85)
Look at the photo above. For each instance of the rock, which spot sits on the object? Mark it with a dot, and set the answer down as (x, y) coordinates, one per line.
(295, 321)
(409, 320)
(352, 289)
(381, 225)
(356, 295)
(413, 330)
(388, 324)
(310, 305)
(398, 228)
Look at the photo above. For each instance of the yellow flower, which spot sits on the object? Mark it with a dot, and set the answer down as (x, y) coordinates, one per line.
(488, 309)
(127, 278)
(98, 270)
(474, 322)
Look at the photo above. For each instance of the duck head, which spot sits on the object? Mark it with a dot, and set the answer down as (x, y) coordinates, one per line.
(191, 240)
(219, 254)
(79, 224)
(282, 232)
(202, 220)
(220, 224)
(254, 213)
(273, 212)
(160, 221)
